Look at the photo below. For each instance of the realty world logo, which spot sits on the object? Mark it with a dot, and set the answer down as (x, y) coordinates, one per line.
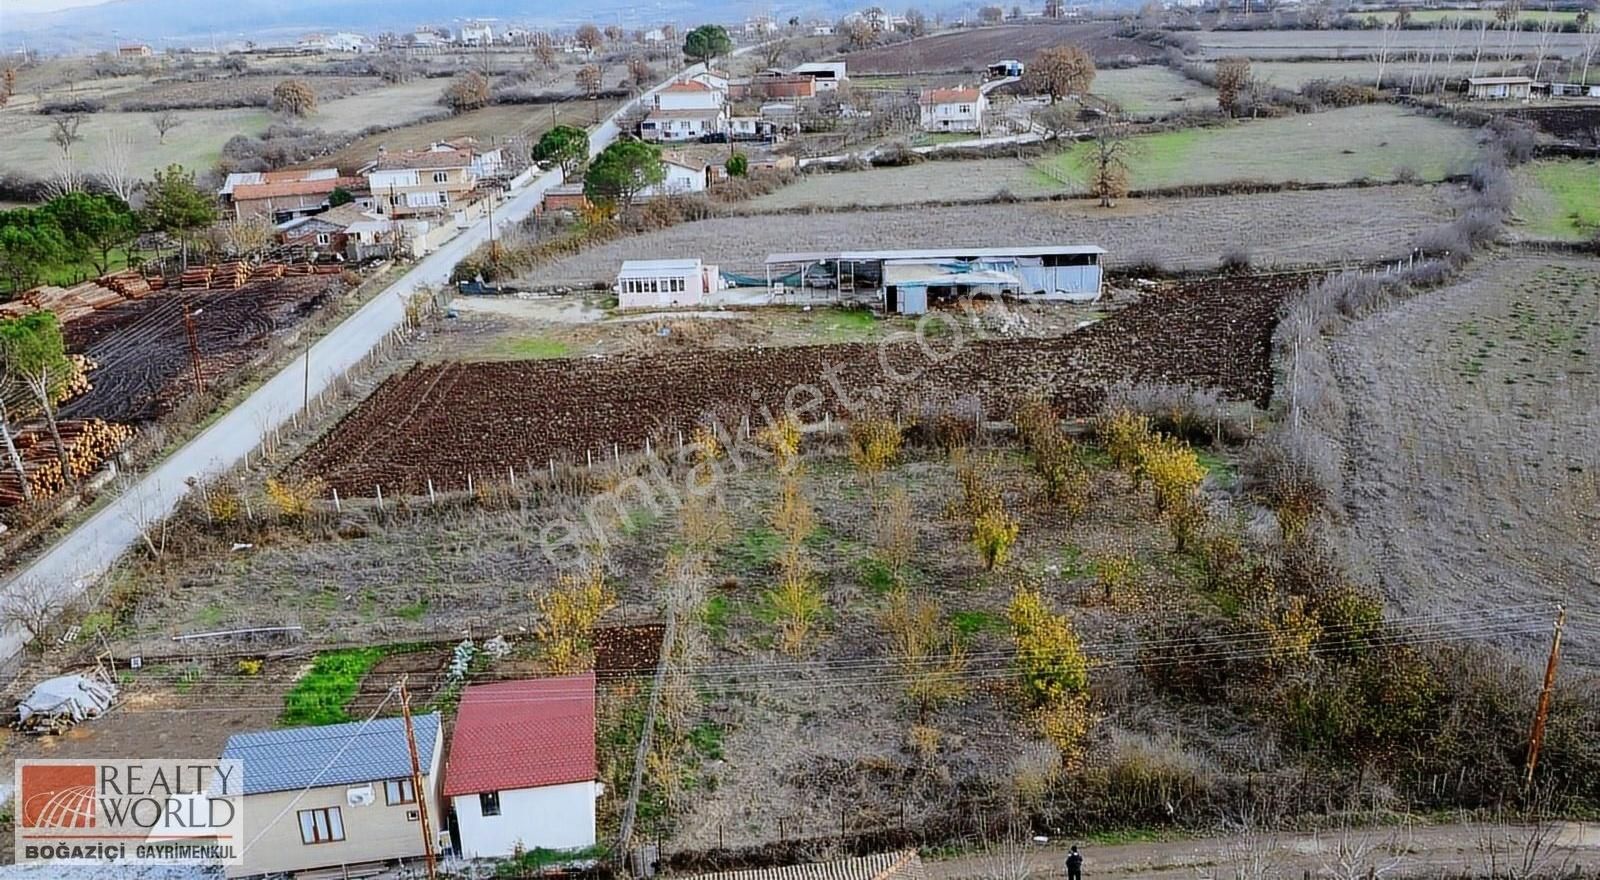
(133, 811)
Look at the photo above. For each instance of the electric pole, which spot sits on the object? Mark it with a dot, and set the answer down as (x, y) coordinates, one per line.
(194, 347)
(416, 778)
(1536, 738)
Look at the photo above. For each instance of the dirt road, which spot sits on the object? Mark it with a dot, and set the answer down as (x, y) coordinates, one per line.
(1390, 851)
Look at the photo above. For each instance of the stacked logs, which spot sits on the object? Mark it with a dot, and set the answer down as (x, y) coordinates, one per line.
(130, 283)
(231, 276)
(78, 383)
(88, 443)
(197, 276)
(267, 270)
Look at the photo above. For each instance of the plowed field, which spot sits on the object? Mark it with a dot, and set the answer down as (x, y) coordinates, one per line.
(979, 47)
(444, 422)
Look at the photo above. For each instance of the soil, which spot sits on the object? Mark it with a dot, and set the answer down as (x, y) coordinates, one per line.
(448, 423)
(142, 347)
(974, 49)
(1472, 470)
(1580, 123)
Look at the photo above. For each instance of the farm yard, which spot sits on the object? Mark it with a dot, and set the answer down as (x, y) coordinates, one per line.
(1473, 435)
(1285, 228)
(1559, 200)
(973, 49)
(1376, 142)
(142, 349)
(537, 411)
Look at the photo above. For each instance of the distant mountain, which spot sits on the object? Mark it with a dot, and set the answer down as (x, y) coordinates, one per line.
(189, 22)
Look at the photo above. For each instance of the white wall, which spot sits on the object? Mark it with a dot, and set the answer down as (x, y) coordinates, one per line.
(697, 100)
(553, 817)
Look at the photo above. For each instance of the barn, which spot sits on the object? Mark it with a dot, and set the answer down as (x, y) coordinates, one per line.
(907, 281)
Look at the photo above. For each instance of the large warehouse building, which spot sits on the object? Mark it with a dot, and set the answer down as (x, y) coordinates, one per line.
(905, 281)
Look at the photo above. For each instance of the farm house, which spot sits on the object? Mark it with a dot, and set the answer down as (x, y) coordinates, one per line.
(906, 281)
(648, 284)
(1499, 88)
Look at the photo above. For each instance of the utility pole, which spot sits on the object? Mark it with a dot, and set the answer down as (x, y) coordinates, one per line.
(1536, 738)
(416, 779)
(194, 347)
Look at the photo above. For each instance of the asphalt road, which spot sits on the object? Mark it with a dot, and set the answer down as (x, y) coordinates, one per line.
(89, 550)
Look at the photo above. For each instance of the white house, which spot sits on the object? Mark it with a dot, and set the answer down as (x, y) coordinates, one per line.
(684, 176)
(476, 33)
(668, 126)
(717, 79)
(822, 29)
(348, 42)
(829, 75)
(959, 109)
(691, 95)
(655, 35)
(654, 284)
(521, 772)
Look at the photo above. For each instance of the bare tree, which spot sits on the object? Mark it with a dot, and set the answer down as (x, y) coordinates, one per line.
(1519, 849)
(772, 52)
(32, 606)
(113, 165)
(1365, 856)
(1107, 162)
(12, 455)
(64, 132)
(164, 122)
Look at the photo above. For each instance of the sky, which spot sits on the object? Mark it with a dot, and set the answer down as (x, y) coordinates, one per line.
(43, 5)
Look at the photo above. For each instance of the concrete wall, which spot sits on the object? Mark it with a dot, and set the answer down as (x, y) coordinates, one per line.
(552, 817)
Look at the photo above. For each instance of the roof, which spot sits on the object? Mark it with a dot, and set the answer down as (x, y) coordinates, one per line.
(949, 96)
(457, 158)
(648, 267)
(903, 865)
(923, 273)
(688, 86)
(565, 189)
(335, 754)
(270, 190)
(251, 178)
(950, 253)
(682, 161)
(1498, 80)
(522, 734)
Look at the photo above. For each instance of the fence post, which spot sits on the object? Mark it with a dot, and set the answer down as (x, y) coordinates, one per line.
(336, 507)
(380, 497)
(431, 499)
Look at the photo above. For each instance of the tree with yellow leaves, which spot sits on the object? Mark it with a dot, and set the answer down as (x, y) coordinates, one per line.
(994, 532)
(568, 614)
(1049, 657)
(1123, 433)
(926, 649)
(874, 444)
(1173, 469)
(782, 439)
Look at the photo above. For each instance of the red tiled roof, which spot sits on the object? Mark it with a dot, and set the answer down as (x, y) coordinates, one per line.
(689, 86)
(273, 189)
(522, 734)
(949, 96)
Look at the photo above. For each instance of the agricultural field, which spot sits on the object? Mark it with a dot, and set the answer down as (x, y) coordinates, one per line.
(1365, 45)
(1152, 90)
(1578, 123)
(974, 49)
(1286, 228)
(1294, 74)
(1374, 141)
(1429, 16)
(490, 125)
(537, 411)
(1559, 199)
(142, 349)
(195, 144)
(1471, 456)
(184, 94)
(936, 181)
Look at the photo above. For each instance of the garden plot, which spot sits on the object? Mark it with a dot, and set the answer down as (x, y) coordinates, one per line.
(1559, 199)
(1367, 44)
(1152, 90)
(1472, 464)
(1283, 228)
(1376, 141)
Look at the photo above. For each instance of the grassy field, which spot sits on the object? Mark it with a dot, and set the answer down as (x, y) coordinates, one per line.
(196, 144)
(1152, 90)
(1365, 44)
(1276, 228)
(910, 184)
(491, 125)
(1294, 74)
(1340, 145)
(1560, 199)
(391, 105)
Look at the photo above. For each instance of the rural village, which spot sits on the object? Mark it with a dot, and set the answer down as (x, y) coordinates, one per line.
(963, 442)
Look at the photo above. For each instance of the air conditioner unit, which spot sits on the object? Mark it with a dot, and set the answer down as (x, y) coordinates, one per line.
(360, 796)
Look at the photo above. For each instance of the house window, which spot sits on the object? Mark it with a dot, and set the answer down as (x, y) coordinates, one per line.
(324, 825)
(444, 197)
(399, 791)
(441, 176)
(489, 803)
(324, 238)
(966, 108)
(395, 199)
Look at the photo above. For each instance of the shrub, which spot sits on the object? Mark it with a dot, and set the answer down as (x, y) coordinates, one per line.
(782, 439)
(1123, 434)
(874, 443)
(896, 533)
(1117, 574)
(293, 97)
(293, 499)
(993, 533)
(568, 614)
(1049, 659)
(797, 604)
(1066, 723)
(1173, 469)
(71, 106)
(926, 649)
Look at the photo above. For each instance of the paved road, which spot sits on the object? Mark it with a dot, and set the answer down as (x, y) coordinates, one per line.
(86, 552)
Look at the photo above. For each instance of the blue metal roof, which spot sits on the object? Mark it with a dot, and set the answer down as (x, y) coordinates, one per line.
(309, 757)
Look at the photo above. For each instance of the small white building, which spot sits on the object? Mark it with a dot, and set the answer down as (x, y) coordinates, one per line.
(476, 34)
(684, 175)
(344, 41)
(654, 284)
(677, 126)
(717, 79)
(690, 95)
(959, 109)
(1574, 90)
(1500, 88)
(822, 29)
(654, 36)
(828, 75)
(521, 773)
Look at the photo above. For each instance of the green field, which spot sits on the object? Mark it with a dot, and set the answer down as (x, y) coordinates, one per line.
(1340, 145)
(1150, 90)
(1560, 199)
(195, 144)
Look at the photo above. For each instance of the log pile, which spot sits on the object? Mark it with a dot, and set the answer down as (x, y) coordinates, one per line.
(231, 276)
(197, 276)
(88, 442)
(267, 270)
(130, 283)
(299, 269)
(78, 383)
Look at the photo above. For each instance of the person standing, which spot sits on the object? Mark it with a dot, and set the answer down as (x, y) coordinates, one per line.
(1074, 865)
